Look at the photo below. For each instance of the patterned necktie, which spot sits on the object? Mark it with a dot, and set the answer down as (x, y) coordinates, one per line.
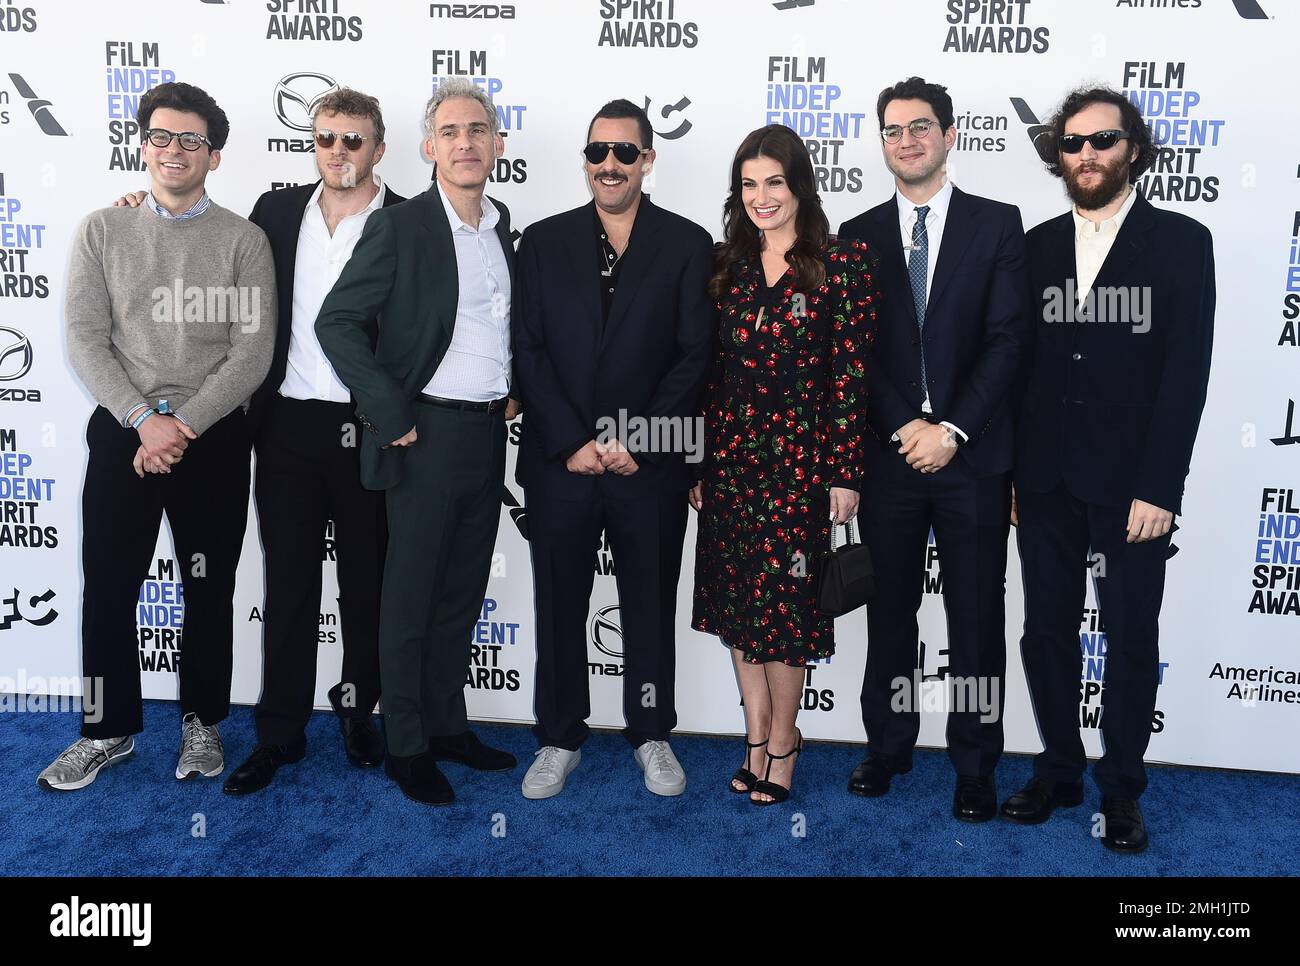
(917, 263)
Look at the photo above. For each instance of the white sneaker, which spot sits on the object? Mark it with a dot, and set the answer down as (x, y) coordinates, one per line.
(663, 772)
(546, 774)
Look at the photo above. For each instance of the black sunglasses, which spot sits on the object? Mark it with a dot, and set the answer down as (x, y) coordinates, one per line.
(160, 137)
(625, 151)
(351, 140)
(1101, 141)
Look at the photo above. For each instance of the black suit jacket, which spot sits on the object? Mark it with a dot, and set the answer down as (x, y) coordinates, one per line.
(279, 214)
(1113, 407)
(403, 272)
(977, 330)
(648, 360)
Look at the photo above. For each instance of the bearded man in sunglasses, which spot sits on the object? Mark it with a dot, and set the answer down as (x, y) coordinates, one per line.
(613, 334)
(1124, 326)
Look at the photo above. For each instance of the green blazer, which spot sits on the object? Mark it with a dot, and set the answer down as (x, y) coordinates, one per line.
(402, 272)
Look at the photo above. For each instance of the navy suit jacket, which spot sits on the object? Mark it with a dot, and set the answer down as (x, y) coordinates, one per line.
(976, 330)
(279, 214)
(649, 359)
(1112, 409)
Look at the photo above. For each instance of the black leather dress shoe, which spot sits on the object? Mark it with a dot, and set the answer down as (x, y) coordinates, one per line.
(975, 800)
(466, 749)
(871, 778)
(419, 778)
(1126, 830)
(364, 743)
(256, 773)
(1037, 800)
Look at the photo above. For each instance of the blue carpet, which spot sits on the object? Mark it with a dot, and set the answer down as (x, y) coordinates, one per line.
(324, 817)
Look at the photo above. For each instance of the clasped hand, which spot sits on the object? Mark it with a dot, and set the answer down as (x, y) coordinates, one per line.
(595, 458)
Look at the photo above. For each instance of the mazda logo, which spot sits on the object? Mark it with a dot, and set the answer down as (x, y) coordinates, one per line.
(606, 633)
(15, 354)
(296, 97)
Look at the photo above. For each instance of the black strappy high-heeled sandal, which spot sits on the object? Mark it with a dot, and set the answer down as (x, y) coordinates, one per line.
(779, 793)
(743, 774)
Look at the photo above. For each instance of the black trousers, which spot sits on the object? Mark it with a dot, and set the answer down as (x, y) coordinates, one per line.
(205, 498)
(970, 518)
(307, 474)
(444, 514)
(645, 535)
(1055, 535)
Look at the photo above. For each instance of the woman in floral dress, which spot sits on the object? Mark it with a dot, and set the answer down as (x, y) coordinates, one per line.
(784, 418)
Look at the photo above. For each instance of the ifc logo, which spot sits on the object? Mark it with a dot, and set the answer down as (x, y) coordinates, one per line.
(606, 633)
(296, 97)
(15, 354)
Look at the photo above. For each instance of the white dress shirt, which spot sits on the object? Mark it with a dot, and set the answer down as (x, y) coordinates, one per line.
(1092, 243)
(318, 265)
(935, 219)
(476, 367)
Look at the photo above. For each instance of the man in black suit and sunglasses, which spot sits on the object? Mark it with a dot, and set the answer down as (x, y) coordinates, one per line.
(1124, 322)
(613, 329)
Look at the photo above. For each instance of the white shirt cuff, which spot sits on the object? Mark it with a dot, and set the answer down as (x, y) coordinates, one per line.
(957, 430)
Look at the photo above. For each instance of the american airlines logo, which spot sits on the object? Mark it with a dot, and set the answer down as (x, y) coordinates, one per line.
(40, 108)
(1250, 9)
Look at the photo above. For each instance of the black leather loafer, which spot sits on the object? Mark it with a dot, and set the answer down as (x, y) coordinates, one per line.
(1037, 800)
(260, 768)
(871, 778)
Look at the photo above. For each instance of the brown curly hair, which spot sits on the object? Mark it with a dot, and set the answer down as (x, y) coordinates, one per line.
(1139, 133)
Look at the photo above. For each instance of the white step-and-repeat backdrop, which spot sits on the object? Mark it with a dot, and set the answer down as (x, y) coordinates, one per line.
(1211, 75)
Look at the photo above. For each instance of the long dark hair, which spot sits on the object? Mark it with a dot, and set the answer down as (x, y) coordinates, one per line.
(741, 236)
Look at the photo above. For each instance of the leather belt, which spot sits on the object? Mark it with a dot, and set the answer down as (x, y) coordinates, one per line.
(492, 406)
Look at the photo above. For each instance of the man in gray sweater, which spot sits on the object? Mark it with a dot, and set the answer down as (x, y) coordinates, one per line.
(171, 324)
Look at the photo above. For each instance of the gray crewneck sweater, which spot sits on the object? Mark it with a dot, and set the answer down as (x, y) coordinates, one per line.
(182, 310)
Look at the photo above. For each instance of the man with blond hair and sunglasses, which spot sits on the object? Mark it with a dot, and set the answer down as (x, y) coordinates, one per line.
(305, 434)
(307, 441)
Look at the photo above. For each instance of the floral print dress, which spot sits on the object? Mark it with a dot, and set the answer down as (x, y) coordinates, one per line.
(784, 417)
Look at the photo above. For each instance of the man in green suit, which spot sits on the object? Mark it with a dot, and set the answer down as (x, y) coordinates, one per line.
(431, 393)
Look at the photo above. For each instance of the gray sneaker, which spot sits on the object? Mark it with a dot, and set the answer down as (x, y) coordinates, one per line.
(201, 751)
(81, 761)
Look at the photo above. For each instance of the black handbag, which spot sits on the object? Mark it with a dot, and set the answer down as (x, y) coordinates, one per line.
(845, 577)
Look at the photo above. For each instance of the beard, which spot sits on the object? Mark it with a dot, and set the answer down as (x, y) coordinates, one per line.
(1113, 178)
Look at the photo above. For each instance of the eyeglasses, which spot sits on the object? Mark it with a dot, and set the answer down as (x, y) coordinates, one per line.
(625, 151)
(160, 137)
(1101, 140)
(351, 140)
(893, 133)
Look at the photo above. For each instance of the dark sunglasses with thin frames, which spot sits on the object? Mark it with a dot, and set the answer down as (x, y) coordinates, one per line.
(624, 151)
(351, 140)
(1100, 140)
(160, 137)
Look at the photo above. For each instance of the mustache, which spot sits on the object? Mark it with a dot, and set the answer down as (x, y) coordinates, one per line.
(612, 174)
